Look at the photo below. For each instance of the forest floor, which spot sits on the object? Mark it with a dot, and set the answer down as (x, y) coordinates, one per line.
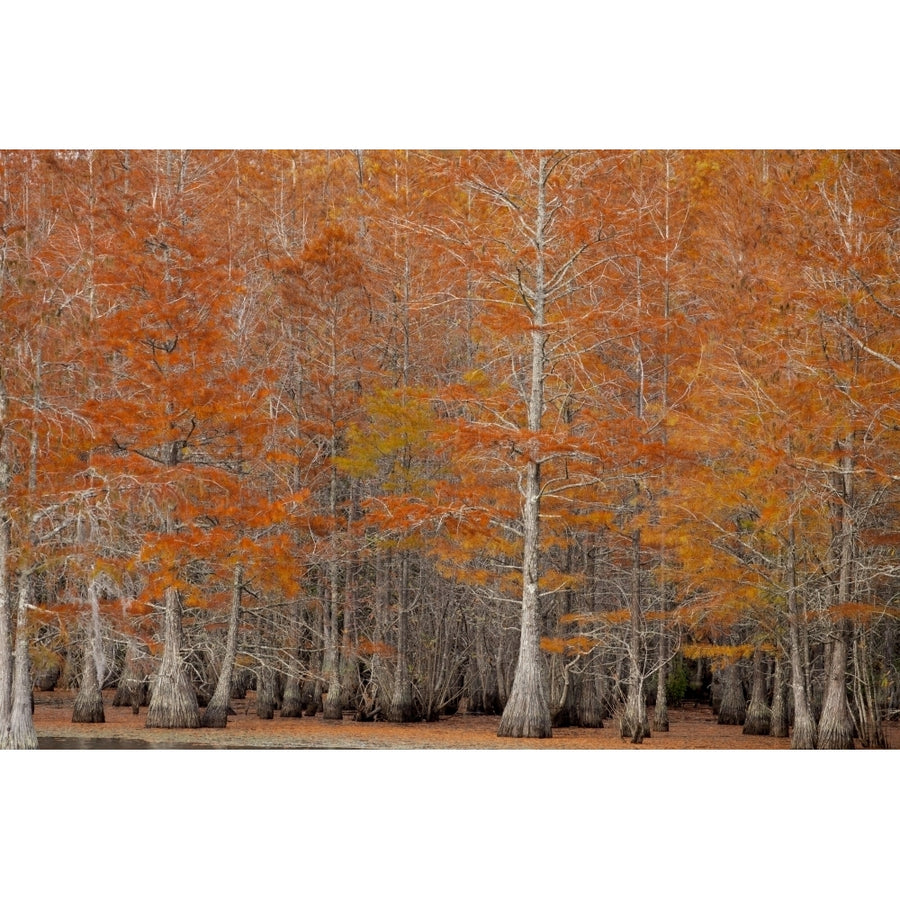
(690, 728)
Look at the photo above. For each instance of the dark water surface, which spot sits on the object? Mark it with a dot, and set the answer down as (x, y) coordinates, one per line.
(54, 743)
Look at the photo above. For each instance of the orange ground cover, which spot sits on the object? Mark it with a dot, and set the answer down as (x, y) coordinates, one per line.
(690, 728)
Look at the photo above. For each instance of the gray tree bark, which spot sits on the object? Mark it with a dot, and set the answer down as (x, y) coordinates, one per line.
(759, 714)
(21, 734)
(733, 706)
(635, 724)
(778, 724)
(173, 703)
(89, 702)
(6, 650)
(803, 735)
(401, 708)
(527, 711)
(292, 702)
(835, 721)
(216, 713)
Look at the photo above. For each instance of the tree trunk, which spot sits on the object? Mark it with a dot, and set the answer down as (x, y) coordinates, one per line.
(132, 688)
(292, 702)
(563, 712)
(217, 710)
(89, 702)
(21, 734)
(588, 700)
(778, 724)
(313, 684)
(759, 715)
(527, 711)
(635, 724)
(173, 703)
(333, 701)
(265, 692)
(733, 706)
(6, 650)
(380, 688)
(867, 694)
(6, 654)
(401, 708)
(661, 710)
(835, 723)
(803, 735)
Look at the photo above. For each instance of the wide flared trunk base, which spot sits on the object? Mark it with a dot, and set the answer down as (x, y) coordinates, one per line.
(402, 708)
(19, 738)
(89, 702)
(589, 703)
(758, 721)
(778, 727)
(265, 694)
(215, 715)
(526, 715)
(88, 710)
(21, 734)
(835, 735)
(292, 703)
(803, 736)
(332, 705)
(732, 707)
(173, 705)
(517, 727)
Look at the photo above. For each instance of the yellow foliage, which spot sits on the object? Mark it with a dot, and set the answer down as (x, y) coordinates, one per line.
(723, 654)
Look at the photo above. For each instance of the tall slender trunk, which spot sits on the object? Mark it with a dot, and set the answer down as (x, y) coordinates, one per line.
(588, 700)
(6, 654)
(266, 690)
(778, 724)
(265, 676)
(401, 708)
(89, 702)
(759, 714)
(379, 690)
(527, 711)
(21, 734)
(6, 657)
(216, 713)
(314, 684)
(803, 736)
(867, 694)
(173, 703)
(349, 671)
(661, 709)
(333, 704)
(634, 721)
(132, 687)
(733, 705)
(835, 722)
(292, 702)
